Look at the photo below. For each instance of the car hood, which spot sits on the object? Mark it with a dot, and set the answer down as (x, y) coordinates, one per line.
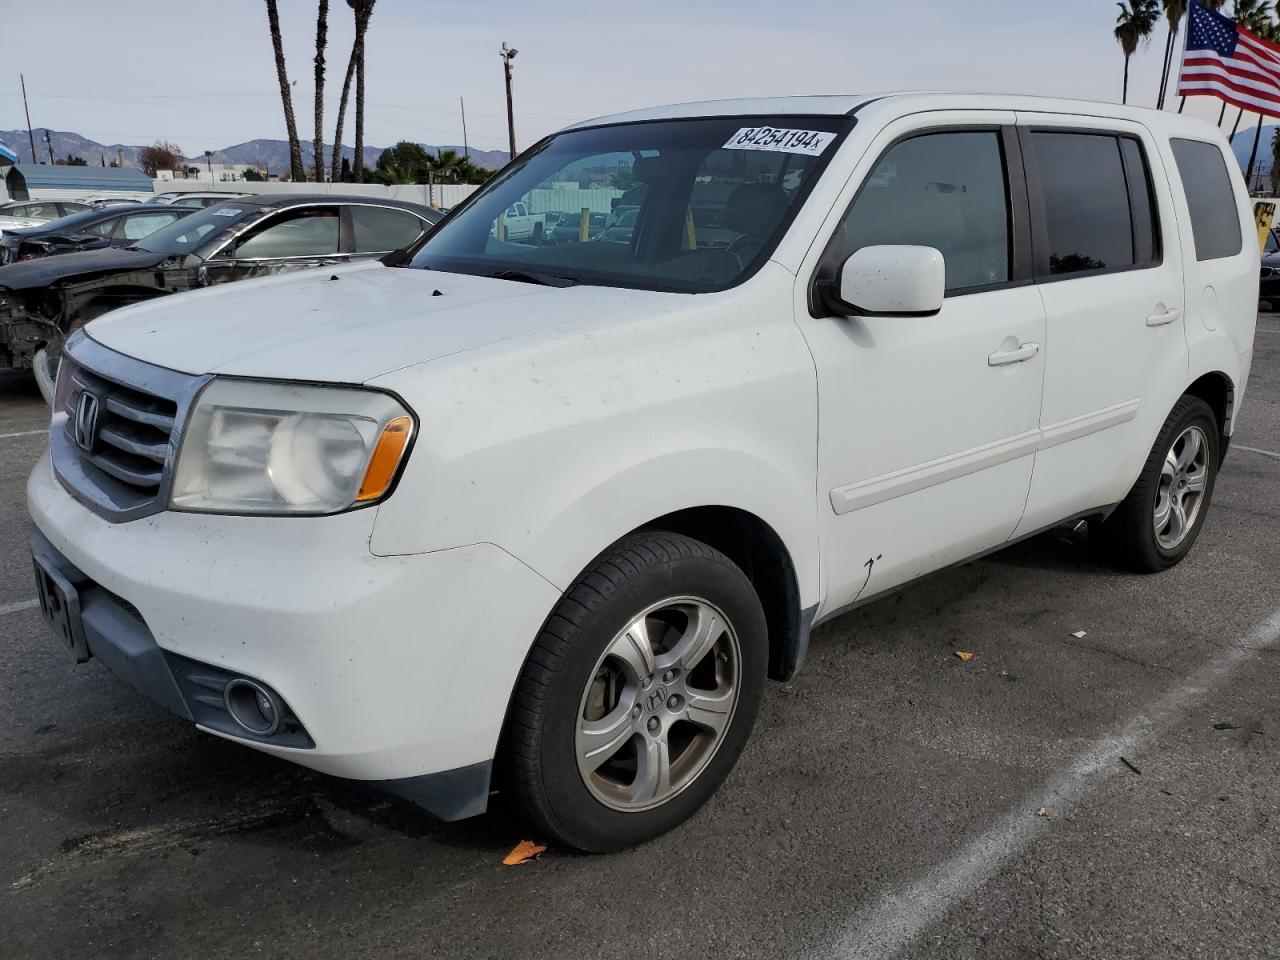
(348, 324)
(30, 274)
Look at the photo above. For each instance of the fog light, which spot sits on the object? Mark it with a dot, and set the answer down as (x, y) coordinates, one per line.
(253, 707)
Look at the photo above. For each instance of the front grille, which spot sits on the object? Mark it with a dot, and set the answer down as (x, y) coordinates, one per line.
(116, 428)
(132, 434)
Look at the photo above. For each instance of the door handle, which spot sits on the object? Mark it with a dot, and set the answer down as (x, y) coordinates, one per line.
(1160, 319)
(1023, 353)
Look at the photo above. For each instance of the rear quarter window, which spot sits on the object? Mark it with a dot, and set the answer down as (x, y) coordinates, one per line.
(1215, 220)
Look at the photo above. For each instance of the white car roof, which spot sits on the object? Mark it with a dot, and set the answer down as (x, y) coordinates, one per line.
(902, 103)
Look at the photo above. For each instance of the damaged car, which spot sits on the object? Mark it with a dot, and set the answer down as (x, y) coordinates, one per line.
(43, 301)
(117, 225)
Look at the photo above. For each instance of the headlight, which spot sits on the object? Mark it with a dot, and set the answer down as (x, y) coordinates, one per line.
(260, 447)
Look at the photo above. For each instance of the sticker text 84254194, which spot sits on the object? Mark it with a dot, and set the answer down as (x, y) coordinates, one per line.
(779, 140)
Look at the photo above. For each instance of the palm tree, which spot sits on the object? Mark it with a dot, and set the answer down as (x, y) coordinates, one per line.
(322, 38)
(362, 9)
(1256, 17)
(295, 149)
(1137, 20)
(1174, 11)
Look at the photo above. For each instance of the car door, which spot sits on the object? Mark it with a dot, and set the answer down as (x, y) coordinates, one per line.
(928, 425)
(1109, 268)
(293, 239)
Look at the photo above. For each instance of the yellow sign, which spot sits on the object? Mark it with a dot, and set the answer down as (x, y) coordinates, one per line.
(1264, 214)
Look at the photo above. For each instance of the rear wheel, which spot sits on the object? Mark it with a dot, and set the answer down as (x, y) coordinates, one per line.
(1156, 525)
(638, 695)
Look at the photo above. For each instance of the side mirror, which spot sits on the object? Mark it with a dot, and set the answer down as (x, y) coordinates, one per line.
(894, 280)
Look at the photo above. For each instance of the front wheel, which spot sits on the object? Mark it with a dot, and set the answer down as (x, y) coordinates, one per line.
(638, 695)
(1156, 525)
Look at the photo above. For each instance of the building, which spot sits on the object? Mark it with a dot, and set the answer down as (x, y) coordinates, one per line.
(220, 172)
(40, 181)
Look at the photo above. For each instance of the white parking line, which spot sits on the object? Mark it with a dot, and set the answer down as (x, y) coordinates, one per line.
(887, 927)
(20, 605)
(1261, 453)
(24, 433)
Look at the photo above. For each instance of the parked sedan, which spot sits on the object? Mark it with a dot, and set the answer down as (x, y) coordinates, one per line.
(110, 226)
(32, 213)
(43, 301)
(1269, 287)
(192, 198)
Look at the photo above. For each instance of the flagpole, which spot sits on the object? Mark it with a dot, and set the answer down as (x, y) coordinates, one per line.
(1257, 135)
(1239, 117)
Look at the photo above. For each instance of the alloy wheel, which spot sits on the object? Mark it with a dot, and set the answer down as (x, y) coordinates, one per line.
(658, 704)
(1184, 478)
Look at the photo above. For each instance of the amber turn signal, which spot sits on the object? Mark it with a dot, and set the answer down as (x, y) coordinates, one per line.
(386, 458)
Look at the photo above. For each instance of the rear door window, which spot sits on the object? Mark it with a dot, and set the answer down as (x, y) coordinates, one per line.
(1215, 221)
(1087, 212)
(381, 229)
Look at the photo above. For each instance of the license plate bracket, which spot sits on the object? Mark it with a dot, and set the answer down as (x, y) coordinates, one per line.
(60, 607)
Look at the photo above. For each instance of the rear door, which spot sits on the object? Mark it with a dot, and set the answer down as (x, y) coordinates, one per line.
(1109, 267)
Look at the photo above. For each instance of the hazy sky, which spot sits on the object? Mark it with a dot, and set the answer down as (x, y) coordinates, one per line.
(202, 74)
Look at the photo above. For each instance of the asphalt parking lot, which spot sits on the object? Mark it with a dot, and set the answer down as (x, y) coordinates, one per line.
(1110, 795)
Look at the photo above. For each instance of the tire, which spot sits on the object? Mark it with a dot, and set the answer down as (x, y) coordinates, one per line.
(1135, 536)
(597, 786)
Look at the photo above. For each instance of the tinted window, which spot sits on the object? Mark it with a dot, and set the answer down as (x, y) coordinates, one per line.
(380, 228)
(941, 190)
(1086, 202)
(70, 206)
(307, 233)
(1215, 221)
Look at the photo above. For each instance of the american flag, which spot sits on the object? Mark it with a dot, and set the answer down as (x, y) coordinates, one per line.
(1224, 60)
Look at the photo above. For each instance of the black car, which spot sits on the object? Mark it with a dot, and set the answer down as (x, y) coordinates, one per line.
(43, 301)
(116, 225)
(1269, 289)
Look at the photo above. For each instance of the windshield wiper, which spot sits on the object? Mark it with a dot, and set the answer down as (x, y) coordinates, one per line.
(542, 279)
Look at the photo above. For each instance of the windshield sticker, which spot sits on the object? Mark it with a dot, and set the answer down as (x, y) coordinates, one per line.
(228, 212)
(777, 140)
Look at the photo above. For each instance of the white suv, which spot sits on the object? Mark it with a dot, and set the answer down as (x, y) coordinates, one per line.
(544, 517)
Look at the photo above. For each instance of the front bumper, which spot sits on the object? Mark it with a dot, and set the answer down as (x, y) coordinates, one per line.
(398, 669)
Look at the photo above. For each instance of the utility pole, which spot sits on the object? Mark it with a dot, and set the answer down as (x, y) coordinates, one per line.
(466, 152)
(208, 158)
(48, 142)
(508, 54)
(30, 136)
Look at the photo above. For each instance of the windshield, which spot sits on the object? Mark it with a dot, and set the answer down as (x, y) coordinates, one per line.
(184, 236)
(689, 205)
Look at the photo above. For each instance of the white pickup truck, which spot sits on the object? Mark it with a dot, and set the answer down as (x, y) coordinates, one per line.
(546, 517)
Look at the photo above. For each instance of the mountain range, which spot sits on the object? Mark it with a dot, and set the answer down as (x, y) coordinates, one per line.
(271, 154)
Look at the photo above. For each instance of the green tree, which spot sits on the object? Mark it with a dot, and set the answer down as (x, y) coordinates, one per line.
(1256, 16)
(253, 175)
(1137, 21)
(75, 161)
